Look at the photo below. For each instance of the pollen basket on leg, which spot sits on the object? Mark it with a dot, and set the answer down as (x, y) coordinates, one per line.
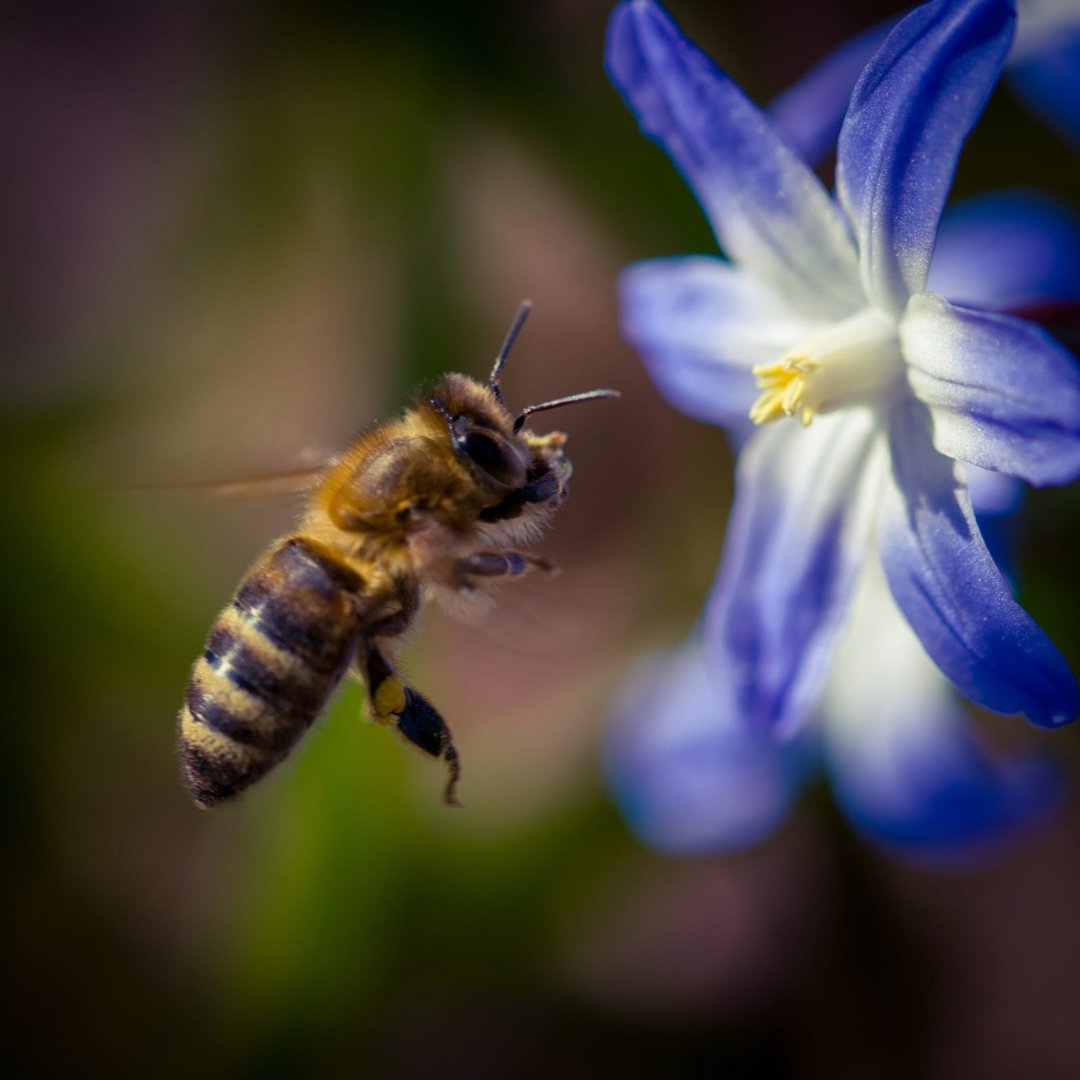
(851, 360)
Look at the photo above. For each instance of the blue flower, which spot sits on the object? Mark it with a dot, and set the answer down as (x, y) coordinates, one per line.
(1043, 68)
(871, 391)
(1045, 63)
(903, 762)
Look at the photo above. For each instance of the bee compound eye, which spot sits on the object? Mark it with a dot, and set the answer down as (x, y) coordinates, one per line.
(485, 451)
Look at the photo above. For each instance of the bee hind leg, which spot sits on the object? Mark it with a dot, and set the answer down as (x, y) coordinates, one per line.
(410, 713)
(425, 728)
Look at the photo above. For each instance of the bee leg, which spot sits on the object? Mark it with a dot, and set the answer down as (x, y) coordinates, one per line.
(401, 707)
(488, 564)
(397, 623)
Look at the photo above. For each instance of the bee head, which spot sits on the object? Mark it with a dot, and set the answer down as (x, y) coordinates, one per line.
(487, 437)
(481, 431)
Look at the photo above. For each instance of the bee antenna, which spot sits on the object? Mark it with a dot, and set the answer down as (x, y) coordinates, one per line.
(589, 395)
(507, 345)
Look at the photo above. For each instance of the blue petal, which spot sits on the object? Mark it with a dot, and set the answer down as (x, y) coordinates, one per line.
(951, 592)
(910, 112)
(904, 763)
(992, 494)
(1045, 71)
(687, 776)
(1009, 251)
(769, 211)
(810, 112)
(798, 533)
(1003, 393)
(701, 324)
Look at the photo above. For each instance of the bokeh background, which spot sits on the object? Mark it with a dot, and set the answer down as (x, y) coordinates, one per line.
(234, 233)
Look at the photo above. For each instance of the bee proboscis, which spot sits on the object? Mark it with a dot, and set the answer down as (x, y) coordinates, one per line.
(436, 503)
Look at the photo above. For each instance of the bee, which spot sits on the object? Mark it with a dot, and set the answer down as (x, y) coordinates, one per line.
(435, 504)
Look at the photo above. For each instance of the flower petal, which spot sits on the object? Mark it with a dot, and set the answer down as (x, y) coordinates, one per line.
(910, 112)
(701, 324)
(904, 763)
(1009, 251)
(688, 777)
(769, 211)
(811, 111)
(951, 592)
(1045, 66)
(798, 533)
(1003, 393)
(992, 494)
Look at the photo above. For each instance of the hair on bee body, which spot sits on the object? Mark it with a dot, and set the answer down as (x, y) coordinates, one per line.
(440, 502)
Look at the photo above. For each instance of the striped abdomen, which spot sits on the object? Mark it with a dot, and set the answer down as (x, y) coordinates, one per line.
(273, 658)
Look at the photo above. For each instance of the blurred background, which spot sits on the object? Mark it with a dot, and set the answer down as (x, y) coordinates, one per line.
(233, 235)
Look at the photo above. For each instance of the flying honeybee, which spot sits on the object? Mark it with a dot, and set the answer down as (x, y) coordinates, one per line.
(435, 503)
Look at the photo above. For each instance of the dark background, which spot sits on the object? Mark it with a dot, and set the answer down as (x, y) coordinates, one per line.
(232, 235)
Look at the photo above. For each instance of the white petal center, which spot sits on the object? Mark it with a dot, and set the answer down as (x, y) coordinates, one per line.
(850, 361)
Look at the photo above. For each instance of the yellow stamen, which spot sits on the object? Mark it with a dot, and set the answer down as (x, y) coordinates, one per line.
(854, 359)
(783, 385)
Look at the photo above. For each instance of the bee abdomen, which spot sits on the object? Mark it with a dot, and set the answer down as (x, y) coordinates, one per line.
(271, 662)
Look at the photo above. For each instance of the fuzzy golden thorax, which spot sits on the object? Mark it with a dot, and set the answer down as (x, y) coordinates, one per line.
(452, 461)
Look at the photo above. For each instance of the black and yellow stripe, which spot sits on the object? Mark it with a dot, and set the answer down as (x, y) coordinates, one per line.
(271, 662)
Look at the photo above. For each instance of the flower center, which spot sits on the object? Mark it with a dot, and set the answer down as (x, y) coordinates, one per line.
(847, 361)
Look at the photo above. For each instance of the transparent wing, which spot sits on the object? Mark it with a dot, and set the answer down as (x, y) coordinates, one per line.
(267, 485)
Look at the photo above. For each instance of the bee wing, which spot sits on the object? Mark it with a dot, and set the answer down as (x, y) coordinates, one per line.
(267, 485)
(527, 616)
